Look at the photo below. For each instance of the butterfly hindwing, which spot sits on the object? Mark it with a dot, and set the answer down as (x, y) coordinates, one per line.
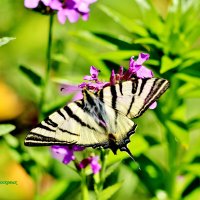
(78, 124)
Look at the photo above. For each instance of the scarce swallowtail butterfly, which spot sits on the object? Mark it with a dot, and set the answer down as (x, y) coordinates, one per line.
(100, 119)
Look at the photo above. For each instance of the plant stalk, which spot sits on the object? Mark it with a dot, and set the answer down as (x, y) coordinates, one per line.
(84, 189)
(47, 70)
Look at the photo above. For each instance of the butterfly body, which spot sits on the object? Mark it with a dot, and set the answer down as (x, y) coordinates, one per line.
(100, 119)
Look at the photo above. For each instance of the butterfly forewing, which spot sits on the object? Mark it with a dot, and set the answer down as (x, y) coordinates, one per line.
(133, 97)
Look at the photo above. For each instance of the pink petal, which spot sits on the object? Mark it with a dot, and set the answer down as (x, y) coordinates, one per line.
(88, 1)
(89, 78)
(46, 2)
(95, 166)
(77, 96)
(153, 105)
(61, 16)
(144, 72)
(121, 70)
(133, 66)
(85, 16)
(31, 3)
(112, 78)
(142, 58)
(69, 88)
(94, 71)
(72, 15)
(83, 7)
(55, 5)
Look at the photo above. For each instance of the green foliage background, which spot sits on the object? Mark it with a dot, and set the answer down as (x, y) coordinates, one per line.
(166, 144)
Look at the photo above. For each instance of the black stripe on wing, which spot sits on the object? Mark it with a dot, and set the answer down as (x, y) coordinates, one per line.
(61, 114)
(158, 88)
(114, 100)
(121, 87)
(66, 131)
(45, 127)
(50, 122)
(134, 86)
(142, 85)
(130, 106)
(114, 96)
(76, 118)
(34, 139)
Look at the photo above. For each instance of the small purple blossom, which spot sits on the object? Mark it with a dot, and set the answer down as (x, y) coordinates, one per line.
(153, 105)
(65, 154)
(94, 83)
(35, 3)
(68, 88)
(93, 162)
(66, 9)
(94, 74)
(136, 67)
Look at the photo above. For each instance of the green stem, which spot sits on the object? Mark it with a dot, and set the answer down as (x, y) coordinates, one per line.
(48, 67)
(100, 185)
(171, 178)
(84, 189)
(172, 156)
(103, 168)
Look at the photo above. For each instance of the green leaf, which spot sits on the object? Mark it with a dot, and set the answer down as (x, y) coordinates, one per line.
(124, 21)
(168, 64)
(91, 57)
(150, 41)
(193, 195)
(112, 168)
(189, 90)
(33, 76)
(179, 132)
(6, 128)
(119, 55)
(109, 191)
(86, 35)
(190, 79)
(193, 169)
(60, 58)
(55, 191)
(11, 140)
(5, 40)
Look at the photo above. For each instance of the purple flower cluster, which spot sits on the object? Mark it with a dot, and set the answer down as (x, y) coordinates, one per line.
(65, 154)
(136, 68)
(66, 9)
(93, 162)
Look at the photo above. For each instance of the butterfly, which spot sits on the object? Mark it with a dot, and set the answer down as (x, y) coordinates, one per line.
(100, 119)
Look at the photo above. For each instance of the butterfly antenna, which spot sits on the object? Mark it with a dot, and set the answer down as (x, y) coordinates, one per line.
(125, 148)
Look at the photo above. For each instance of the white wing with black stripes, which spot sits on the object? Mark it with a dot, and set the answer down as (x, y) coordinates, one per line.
(100, 119)
(84, 123)
(133, 97)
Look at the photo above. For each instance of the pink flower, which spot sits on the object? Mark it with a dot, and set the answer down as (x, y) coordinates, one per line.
(69, 89)
(66, 9)
(94, 74)
(93, 162)
(65, 154)
(71, 9)
(94, 83)
(34, 3)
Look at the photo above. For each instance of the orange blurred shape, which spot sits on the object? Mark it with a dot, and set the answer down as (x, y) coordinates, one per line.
(10, 104)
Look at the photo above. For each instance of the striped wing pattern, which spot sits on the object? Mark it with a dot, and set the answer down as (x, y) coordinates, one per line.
(133, 97)
(99, 119)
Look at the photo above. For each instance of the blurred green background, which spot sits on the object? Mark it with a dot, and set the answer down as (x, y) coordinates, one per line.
(167, 141)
